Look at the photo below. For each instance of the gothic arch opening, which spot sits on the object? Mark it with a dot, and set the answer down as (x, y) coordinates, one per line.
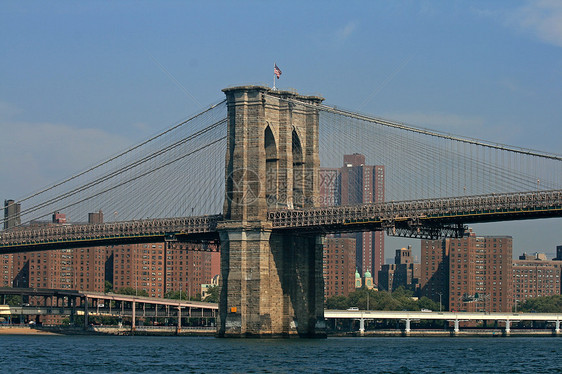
(271, 165)
(298, 171)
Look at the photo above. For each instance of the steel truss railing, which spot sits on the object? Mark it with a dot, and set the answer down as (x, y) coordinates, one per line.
(90, 233)
(429, 218)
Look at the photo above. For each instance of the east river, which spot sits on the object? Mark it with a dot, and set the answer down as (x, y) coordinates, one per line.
(137, 354)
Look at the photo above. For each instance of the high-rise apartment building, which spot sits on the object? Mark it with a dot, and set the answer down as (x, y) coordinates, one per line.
(339, 266)
(7, 270)
(88, 268)
(45, 269)
(141, 267)
(479, 272)
(12, 212)
(188, 267)
(357, 183)
(434, 272)
(535, 276)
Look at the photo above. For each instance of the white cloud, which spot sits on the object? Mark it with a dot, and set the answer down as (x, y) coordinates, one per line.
(542, 18)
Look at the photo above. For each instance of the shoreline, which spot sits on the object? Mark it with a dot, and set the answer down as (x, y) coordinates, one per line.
(25, 330)
(53, 331)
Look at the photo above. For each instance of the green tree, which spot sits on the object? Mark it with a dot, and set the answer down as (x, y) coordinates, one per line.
(400, 299)
(213, 295)
(108, 287)
(176, 295)
(543, 304)
(131, 291)
(337, 302)
(427, 303)
(14, 300)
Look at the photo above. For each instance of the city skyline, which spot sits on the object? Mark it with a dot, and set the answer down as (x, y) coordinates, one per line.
(82, 82)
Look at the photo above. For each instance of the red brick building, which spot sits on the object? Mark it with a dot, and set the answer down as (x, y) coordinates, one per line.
(535, 276)
(478, 276)
(339, 266)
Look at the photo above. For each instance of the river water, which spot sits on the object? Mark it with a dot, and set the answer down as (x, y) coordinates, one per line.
(137, 354)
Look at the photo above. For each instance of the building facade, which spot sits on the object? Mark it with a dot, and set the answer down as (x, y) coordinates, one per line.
(357, 183)
(434, 271)
(403, 273)
(12, 212)
(474, 272)
(535, 276)
(339, 266)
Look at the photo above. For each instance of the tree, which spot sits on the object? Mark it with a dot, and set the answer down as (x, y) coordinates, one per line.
(400, 299)
(213, 295)
(337, 302)
(108, 287)
(14, 300)
(176, 295)
(543, 304)
(131, 291)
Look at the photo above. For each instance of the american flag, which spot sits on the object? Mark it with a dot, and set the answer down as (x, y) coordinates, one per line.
(277, 71)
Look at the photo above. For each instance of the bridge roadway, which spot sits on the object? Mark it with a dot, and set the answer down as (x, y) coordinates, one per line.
(456, 317)
(428, 218)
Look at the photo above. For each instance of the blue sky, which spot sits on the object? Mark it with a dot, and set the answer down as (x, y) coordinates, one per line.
(83, 80)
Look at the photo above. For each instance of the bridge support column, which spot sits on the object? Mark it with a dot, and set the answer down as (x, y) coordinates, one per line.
(272, 284)
(507, 327)
(179, 320)
(133, 325)
(456, 327)
(557, 327)
(272, 281)
(85, 313)
(362, 326)
(407, 330)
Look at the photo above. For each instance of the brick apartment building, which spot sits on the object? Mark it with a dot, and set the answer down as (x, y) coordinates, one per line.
(472, 273)
(339, 266)
(355, 183)
(535, 276)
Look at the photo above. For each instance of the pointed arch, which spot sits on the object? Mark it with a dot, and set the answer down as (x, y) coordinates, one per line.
(271, 165)
(298, 171)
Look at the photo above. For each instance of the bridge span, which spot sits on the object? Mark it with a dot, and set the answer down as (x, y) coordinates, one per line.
(456, 317)
(271, 222)
(424, 219)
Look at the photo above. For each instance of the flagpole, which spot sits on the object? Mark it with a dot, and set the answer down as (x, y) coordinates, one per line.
(274, 76)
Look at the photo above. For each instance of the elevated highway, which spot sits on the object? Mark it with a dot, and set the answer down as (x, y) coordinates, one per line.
(455, 317)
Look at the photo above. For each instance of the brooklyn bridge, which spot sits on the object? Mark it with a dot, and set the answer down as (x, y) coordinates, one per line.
(246, 176)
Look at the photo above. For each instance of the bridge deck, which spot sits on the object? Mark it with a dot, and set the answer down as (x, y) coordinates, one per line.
(430, 218)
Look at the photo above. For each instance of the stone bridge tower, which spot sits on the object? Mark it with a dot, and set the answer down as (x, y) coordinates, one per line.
(272, 283)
